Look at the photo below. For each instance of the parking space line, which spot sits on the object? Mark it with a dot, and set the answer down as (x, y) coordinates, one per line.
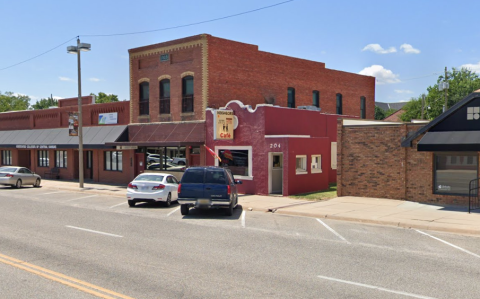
(334, 232)
(450, 244)
(80, 198)
(54, 192)
(243, 218)
(173, 211)
(94, 231)
(374, 287)
(123, 203)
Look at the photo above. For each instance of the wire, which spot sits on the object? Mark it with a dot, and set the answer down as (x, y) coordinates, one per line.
(432, 74)
(191, 24)
(37, 55)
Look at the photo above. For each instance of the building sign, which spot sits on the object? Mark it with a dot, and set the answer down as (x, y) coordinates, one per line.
(127, 147)
(165, 57)
(43, 146)
(224, 125)
(108, 118)
(73, 124)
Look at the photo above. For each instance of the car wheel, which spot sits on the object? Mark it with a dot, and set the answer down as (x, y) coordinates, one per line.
(131, 203)
(229, 211)
(37, 183)
(18, 185)
(184, 209)
(181, 163)
(169, 200)
(151, 161)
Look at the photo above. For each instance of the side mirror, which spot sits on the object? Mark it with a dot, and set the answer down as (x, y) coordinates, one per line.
(238, 182)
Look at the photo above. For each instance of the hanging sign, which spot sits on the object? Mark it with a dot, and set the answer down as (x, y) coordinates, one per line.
(224, 125)
(73, 124)
(108, 118)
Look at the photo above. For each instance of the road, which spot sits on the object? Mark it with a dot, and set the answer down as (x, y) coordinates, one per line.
(64, 244)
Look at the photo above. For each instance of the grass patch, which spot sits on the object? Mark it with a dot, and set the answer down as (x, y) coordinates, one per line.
(318, 195)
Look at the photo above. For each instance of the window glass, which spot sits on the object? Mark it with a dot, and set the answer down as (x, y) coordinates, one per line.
(291, 97)
(363, 113)
(165, 88)
(316, 163)
(119, 161)
(215, 177)
(236, 160)
(453, 172)
(61, 159)
(188, 85)
(316, 98)
(193, 176)
(108, 161)
(339, 103)
(144, 91)
(7, 157)
(301, 164)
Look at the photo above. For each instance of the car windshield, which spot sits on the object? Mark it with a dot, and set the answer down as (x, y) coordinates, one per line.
(7, 169)
(149, 178)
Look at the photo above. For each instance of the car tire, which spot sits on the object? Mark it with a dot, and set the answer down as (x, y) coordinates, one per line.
(181, 163)
(168, 202)
(229, 211)
(37, 183)
(131, 203)
(18, 185)
(184, 209)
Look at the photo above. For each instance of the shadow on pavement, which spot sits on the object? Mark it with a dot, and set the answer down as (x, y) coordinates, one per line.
(219, 214)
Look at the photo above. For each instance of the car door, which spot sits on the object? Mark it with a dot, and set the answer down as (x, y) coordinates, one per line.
(28, 176)
(175, 188)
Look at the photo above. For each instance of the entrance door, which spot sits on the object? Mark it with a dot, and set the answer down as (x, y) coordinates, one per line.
(275, 170)
(88, 163)
(24, 159)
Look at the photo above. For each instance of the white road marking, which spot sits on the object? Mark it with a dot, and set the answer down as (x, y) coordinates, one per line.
(243, 219)
(450, 244)
(123, 203)
(93, 231)
(375, 287)
(80, 198)
(173, 211)
(334, 232)
(54, 192)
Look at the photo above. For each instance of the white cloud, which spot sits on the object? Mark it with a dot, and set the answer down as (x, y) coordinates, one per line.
(376, 48)
(473, 67)
(382, 75)
(403, 91)
(409, 49)
(94, 79)
(65, 79)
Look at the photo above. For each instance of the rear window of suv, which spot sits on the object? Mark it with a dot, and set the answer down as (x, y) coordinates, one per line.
(215, 177)
(193, 176)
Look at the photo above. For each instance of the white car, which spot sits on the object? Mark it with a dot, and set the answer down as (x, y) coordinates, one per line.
(155, 158)
(153, 187)
(179, 161)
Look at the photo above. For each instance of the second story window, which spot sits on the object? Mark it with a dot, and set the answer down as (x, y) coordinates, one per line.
(291, 97)
(363, 111)
(144, 98)
(187, 94)
(339, 104)
(165, 96)
(316, 98)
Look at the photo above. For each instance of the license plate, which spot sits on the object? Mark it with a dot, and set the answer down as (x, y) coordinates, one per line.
(203, 201)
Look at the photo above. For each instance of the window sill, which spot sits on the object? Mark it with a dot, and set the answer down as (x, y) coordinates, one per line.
(187, 113)
(317, 171)
(301, 172)
(241, 177)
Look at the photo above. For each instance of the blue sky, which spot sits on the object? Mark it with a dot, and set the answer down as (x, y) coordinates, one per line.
(405, 44)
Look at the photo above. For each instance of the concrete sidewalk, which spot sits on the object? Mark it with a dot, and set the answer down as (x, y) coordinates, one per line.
(359, 209)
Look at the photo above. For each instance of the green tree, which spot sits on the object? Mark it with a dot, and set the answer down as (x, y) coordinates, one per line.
(462, 82)
(45, 103)
(11, 102)
(105, 98)
(379, 113)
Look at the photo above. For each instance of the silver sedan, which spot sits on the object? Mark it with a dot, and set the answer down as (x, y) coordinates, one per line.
(16, 176)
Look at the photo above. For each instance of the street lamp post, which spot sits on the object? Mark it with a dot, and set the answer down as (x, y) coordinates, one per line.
(76, 50)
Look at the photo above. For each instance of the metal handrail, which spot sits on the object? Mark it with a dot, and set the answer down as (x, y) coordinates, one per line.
(473, 194)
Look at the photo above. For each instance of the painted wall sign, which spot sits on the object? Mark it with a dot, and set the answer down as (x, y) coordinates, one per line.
(35, 146)
(224, 125)
(108, 118)
(73, 124)
(165, 57)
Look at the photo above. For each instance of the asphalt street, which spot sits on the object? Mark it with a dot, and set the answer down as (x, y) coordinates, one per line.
(64, 244)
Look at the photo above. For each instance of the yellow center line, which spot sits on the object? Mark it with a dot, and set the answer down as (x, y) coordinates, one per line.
(61, 278)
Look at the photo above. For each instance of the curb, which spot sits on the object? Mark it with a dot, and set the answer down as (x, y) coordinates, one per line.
(86, 190)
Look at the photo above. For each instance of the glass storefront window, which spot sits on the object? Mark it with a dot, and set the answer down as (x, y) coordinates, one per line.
(454, 171)
(235, 160)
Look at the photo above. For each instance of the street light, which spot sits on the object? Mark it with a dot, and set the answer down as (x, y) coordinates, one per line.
(76, 50)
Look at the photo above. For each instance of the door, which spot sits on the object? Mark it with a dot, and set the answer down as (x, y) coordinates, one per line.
(88, 164)
(275, 170)
(139, 163)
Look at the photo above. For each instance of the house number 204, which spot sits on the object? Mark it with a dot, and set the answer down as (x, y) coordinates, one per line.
(274, 145)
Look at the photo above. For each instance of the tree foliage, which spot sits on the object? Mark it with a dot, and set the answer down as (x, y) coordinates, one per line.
(105, 98)
(462, 82)
(45, 103)
(11, 102)
(379, 113)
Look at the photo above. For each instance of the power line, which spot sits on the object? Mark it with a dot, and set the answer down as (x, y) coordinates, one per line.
(191, 24)
(421, 77)
(37, 55)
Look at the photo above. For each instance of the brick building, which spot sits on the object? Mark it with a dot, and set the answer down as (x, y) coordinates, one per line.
(431, 163)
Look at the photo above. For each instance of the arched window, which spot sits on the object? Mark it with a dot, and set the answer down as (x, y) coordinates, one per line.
(316, 98)
(144, 98)
(291, 97)
(187, 94)
(165, 96)
(363, 110)
(339, 104)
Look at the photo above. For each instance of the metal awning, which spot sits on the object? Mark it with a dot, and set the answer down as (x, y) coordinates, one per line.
(93, 137)
(460, 141)
(165, 134)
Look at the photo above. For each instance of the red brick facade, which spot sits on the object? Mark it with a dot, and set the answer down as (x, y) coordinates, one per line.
(226, 70)
(372, 163)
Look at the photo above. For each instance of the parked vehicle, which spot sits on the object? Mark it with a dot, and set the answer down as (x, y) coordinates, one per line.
(152, 187)
(179, 161)
(155, 158)
(17, 176)
(166, 166)
(208, 187)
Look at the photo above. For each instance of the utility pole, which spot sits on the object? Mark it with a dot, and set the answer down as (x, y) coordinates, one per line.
(423, 103)
(446, 89)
